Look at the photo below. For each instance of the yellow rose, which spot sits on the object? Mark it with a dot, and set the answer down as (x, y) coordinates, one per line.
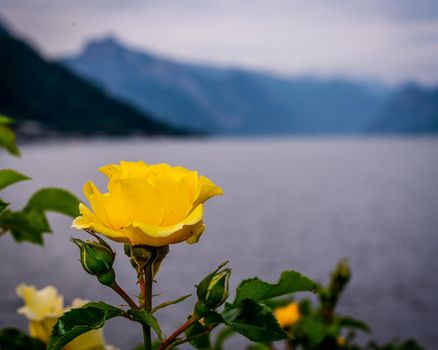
(146, 204)
(43, 308)
(287, 315)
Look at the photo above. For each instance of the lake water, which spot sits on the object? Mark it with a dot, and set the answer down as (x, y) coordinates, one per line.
(289, 204)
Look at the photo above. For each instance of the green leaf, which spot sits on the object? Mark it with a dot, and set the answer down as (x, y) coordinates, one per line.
(146, 318)
(199, 336)
(349, 322)
(213, 318)
(168, 303)
(77, 321)
(282, 301)
(9, 177)
(54, 199)
(289, 282)
(3, 205)
(30, 223)
(224, 334)
(14, 339)
(258, 347)
(254, 321)
(317, 330)
(409, 344)
(155, 345)
(4, 120)
(25, 226)
(8, 140)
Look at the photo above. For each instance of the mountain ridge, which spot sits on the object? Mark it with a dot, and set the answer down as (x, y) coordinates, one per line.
(228, 100)
(46, 98)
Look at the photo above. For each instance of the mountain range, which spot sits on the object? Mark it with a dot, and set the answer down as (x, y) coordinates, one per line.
(228, 100)
(410, 109)
(46, 98)
(237, 101)
(109, 88)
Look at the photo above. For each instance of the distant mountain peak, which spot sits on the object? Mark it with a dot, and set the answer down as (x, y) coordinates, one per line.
(109, 47)
(107, 42)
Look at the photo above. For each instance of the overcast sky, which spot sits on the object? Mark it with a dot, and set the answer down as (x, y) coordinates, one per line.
(391, 40)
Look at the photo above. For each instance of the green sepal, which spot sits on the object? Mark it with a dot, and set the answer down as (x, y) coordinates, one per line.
(107, 278)
(77, 321)
(9, 177)
(200, 309)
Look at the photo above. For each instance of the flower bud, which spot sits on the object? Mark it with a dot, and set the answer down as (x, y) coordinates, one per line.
(213, 289)
(97, 259)
(140, 255)
(340, 277)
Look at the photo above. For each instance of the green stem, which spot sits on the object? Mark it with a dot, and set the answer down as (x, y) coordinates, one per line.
(147, 302)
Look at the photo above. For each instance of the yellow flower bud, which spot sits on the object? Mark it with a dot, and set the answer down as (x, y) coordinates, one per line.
(288, 315)
(153, 205)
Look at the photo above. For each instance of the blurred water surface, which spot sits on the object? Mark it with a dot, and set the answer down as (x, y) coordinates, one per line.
(289, 204)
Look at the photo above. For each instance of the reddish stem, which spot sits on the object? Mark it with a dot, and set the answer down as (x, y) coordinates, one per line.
(169, 340)
(119, 290)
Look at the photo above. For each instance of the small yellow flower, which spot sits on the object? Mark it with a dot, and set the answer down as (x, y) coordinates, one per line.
(342, 341)
(146, 204)
(40, 304)
(288, 315)
(43, 308)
